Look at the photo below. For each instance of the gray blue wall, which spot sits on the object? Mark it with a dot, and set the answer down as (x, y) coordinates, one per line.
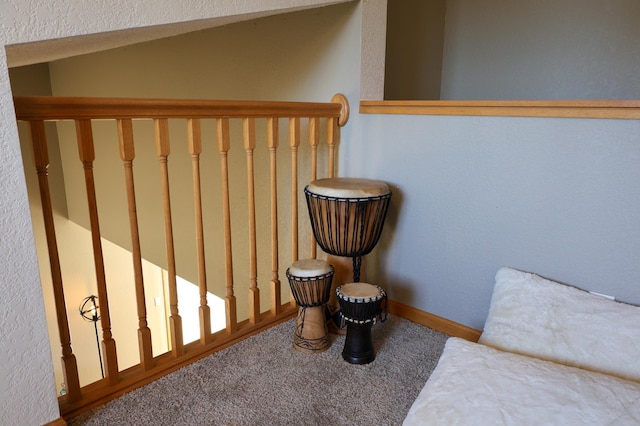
(545, 49)
(559, 197)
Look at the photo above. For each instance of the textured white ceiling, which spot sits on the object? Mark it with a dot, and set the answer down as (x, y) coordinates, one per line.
(20, 54)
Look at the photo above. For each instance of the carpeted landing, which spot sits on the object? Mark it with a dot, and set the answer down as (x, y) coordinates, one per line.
(264, 381)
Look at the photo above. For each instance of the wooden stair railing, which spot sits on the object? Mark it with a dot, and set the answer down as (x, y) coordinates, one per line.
(83, 111)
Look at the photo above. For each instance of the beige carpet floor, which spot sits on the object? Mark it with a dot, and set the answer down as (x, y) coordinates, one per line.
(264, 381)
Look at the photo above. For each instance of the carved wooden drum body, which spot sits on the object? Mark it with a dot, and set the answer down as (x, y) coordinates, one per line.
(310, 282)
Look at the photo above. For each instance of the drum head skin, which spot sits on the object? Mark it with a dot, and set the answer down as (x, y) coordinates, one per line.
(307, 268)
(348, 187)
(360, 291)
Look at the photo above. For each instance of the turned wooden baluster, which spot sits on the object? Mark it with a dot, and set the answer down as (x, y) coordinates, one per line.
(161, 126)
(69, 363)
(194, 138)
(223, 147)
(314, 140)
(294, 143)
(249, 136)
(272, 143)
(127, 154)
(84, 134)
(332, 130)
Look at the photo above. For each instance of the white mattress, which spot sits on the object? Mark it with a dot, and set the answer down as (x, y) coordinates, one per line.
(474, 384)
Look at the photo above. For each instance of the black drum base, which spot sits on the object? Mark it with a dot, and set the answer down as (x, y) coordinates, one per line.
(358, 346)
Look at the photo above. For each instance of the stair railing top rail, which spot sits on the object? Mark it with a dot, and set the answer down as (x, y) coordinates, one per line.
(30, 108)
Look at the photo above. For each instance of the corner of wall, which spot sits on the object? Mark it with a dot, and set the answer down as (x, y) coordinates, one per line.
(26, 377)
(374, 37)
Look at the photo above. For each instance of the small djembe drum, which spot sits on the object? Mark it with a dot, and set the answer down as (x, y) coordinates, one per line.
(310, 282)
(347, 216)
(361, 305)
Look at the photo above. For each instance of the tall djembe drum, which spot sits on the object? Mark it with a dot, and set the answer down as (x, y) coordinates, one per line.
(347, 216)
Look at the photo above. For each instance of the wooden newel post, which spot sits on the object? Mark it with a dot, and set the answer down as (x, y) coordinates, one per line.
(333, 124)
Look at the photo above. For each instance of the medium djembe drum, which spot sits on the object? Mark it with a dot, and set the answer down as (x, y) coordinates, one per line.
(347, 216)
(310, 282)
(362, 305)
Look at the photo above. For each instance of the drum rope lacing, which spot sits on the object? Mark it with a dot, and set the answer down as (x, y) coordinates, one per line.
(381, 296)
(298, 294)
(363, 242)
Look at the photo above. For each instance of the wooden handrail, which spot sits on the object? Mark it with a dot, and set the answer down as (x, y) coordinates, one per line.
(83, 112)
(615, 109)
(30, 108)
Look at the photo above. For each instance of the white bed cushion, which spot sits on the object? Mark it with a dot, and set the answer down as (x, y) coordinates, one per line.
(535, 316)
(476, 385)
